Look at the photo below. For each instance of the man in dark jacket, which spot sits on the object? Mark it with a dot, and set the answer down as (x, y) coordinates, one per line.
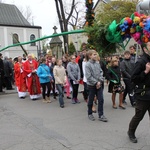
(133, 59)
(7, 73)
(126, 69)
(133, 53)
(141, 78)
(1, 73)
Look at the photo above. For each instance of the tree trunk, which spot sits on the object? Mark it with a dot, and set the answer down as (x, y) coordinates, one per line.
(65, 38)
(63, 21)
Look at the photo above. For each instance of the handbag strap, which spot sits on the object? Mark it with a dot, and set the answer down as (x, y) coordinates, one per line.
(45, 69)
(109, 68)
(115, 76)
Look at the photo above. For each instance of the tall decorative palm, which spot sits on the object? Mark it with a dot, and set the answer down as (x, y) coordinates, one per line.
(89, 13)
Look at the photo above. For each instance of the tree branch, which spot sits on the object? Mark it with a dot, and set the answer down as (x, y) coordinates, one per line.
(72, 24)
(63, 15)
(59, 16)
(71, 11)
(76, 20)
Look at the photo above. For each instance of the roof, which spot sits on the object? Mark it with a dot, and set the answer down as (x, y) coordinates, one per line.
(10, 15)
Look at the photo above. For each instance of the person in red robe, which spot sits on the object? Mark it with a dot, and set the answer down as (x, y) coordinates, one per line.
(33, 84)
(20, 78)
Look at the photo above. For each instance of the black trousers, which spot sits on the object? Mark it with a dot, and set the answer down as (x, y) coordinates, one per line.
(140, 109)
(1, 83)
(8, 83)
(53, 87)
(99, 93)
(75, 88)
(86, 91)
(44, 87)
(128, 90)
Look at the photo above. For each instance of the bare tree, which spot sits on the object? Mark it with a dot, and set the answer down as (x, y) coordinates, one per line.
(77, 18)
(63, 19)
(27, 13)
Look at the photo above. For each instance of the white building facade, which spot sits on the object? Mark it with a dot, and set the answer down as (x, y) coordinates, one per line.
(15, 28)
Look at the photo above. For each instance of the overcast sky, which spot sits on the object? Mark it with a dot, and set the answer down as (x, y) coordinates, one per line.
(43, 12)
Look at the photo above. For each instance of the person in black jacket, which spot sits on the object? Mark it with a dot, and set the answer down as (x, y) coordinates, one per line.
(126, 69)
(141, 79)
(133, 54)
(133, 59)
(114, 77)
(7, 73)
(82, 56)
(1, 73)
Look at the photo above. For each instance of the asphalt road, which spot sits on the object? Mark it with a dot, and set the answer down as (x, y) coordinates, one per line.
(34, 125)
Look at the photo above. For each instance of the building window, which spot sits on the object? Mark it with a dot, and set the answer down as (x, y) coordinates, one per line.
(32, 37)
(15, 38)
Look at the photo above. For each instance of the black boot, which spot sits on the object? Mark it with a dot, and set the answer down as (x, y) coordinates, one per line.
(132, 137)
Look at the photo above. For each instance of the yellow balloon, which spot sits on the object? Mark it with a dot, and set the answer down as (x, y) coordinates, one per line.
(136, 20)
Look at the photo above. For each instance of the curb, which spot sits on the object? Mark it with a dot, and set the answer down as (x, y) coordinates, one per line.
(7, 92)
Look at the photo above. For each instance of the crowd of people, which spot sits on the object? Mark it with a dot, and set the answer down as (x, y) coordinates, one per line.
(40, 77)
(49, 75)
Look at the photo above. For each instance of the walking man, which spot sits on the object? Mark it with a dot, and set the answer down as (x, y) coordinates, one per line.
(141, 79)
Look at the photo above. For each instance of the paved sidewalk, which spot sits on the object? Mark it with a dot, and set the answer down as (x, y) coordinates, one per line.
(34, 125)
(9, 91)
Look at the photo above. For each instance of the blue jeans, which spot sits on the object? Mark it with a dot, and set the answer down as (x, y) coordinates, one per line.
(60, 89)
(92, 93)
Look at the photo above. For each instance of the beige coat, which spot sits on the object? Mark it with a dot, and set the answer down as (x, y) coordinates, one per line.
(59, 74)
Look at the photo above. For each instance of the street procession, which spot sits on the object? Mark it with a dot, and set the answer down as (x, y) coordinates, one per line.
(84, 85)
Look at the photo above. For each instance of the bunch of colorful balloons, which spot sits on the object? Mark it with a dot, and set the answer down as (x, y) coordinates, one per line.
(137, 27)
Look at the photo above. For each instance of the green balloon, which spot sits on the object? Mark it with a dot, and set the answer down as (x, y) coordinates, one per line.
(112, 34)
